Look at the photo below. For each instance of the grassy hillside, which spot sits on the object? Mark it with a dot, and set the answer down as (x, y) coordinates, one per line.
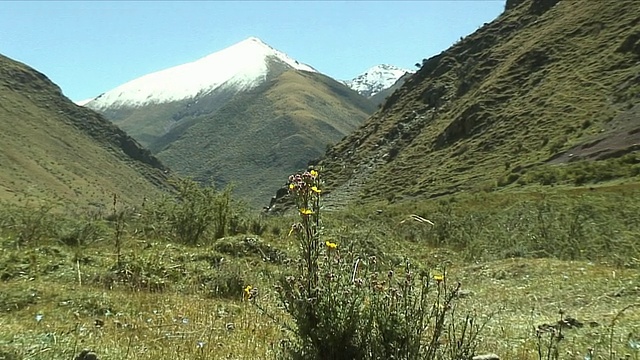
(546, 83)
(52, 149)
(259, 138)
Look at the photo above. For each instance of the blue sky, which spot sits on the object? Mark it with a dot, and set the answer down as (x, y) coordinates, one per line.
(90, 47)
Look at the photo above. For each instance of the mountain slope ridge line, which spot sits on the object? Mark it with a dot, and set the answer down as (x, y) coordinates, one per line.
(493, 109)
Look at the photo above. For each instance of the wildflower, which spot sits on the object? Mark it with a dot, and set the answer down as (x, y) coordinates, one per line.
(304, 211)
(316, 190)
(292, 186)
(39, 317)
(295, 227)
(200, 344)
(438, 278)
(248, 292)
(330, 245)
(314, 173)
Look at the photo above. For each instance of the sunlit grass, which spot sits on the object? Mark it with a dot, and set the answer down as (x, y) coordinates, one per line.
(181, 306)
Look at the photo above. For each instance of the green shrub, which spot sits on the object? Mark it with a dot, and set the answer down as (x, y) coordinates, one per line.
(592, 226)
(196, 211)
(30, 224)
(241, 246)
(346, 304)
(83, 232)
(584, 171)
(226, 282)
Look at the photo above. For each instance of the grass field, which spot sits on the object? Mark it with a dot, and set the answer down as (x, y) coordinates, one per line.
(521, 258)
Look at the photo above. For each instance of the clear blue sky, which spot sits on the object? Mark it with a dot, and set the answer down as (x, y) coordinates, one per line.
(89, 47)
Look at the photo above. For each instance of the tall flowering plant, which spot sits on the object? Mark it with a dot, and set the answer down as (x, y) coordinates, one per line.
(320, 295)
(305, 189)
(346, 305)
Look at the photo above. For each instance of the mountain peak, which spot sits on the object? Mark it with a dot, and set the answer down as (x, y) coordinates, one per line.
(241, 66)
(255, 40)
(251, 44)
(376, 79)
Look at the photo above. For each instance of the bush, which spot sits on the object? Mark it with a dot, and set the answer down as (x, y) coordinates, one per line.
(29, 224)
(83, 232)
(349, 305)
(197, 211)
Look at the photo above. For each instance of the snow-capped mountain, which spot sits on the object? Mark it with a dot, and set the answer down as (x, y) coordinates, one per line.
(248, 114)
(376, 79)
(242, 66)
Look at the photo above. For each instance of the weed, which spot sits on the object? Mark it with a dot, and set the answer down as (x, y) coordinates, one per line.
(348, 305)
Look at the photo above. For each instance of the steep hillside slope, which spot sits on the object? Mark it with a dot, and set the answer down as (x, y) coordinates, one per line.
(51, 148)
(545, 78)
(247, 114)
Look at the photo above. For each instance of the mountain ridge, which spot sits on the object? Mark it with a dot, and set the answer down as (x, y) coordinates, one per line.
(465, 121)
(54, 148)
(221, 136)
(244, 66)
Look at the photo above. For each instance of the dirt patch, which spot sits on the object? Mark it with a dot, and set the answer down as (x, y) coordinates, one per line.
(624, 138)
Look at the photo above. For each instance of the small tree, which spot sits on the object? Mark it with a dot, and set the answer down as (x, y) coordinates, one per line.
(195, 211)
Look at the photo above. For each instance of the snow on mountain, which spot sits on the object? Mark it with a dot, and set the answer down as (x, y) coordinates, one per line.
(83, 102)
(376, 79)
(242, 66)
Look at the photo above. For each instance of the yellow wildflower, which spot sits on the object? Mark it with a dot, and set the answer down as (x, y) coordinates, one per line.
(330, 245)
(291, 186)
(438, 277)
(247, 291)
(313, 173)
(316, 190)
(306, 211)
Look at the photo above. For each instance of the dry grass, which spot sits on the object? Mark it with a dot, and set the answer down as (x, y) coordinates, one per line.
(515, 295)
(529, 293)
(175, 312)
(137, 325)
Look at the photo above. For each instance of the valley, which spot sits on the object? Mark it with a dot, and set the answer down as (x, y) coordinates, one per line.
(485, 206)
